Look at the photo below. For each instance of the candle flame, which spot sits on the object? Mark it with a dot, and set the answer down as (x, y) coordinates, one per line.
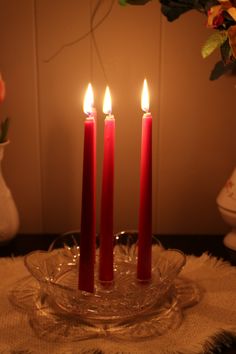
(107, 102)
(145, 97)
(88, 100)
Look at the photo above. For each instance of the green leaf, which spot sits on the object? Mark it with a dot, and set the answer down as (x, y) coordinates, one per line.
(213, 42)
(218, 70)
(225, 51)
(173, 13)
(173, 9)
(122, 2)
(4, 130)
(221, 69)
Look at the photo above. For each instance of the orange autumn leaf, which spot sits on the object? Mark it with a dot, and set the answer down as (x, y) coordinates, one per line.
(214, 12)
(229, 6)
(232, 12)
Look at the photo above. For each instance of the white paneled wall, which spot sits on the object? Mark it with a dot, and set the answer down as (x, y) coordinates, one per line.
(194, 119)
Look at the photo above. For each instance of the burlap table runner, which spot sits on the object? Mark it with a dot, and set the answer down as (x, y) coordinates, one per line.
(205, 326)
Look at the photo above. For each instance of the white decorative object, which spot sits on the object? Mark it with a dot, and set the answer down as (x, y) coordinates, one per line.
(9, 219)
(226, 202)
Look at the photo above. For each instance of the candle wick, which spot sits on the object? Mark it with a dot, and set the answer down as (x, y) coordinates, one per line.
(109, 115)
(90, 115)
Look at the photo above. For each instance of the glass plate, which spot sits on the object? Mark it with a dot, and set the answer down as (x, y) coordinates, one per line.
(124, 307)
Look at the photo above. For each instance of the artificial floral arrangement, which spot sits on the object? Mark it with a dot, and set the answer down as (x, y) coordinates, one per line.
(221, 16)
(4, 125)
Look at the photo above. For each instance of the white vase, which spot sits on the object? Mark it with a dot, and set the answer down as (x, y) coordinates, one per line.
(226, 202)
(9, 218)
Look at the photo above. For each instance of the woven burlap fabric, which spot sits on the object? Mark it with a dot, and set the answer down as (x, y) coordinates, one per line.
(205, 326)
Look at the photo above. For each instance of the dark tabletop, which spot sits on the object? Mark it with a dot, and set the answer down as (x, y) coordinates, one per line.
(189, 244)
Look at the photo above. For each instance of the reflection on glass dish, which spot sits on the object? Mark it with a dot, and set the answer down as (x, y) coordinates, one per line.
(126, 307)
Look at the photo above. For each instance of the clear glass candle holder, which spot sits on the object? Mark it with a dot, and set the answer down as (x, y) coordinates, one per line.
(124, 307)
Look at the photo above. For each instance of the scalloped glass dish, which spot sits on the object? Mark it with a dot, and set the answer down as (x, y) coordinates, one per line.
(120, 307)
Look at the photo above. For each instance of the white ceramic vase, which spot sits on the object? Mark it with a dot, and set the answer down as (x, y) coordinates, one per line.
(226, 202)
(9, 218)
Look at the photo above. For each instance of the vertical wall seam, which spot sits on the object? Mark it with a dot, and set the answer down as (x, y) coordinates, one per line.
(38, 113)
(159, 80)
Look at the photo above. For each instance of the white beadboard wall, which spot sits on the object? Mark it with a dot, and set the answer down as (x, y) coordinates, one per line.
(194, 119)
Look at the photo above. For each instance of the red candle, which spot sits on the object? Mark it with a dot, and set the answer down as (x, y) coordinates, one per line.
(88, 222)
(145, 208)
(106, 227)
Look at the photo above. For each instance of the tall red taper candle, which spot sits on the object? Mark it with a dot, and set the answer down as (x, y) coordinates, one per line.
(145, 208)
(107, 202)
(88, 222)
